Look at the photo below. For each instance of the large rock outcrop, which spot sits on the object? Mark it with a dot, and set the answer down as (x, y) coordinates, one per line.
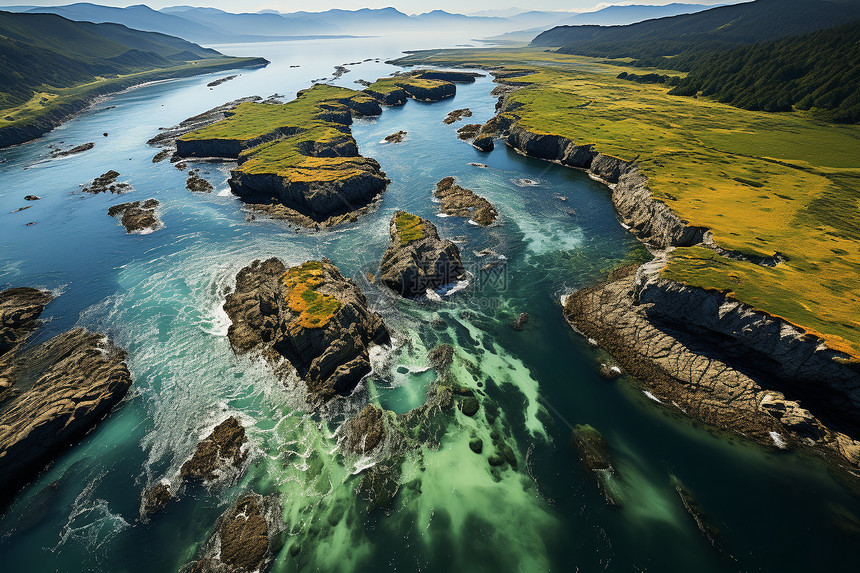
(245, 540)
(67, 385)
(137, 216)
(20, 309)
(312, 316)
(217, 454)
(417, 260)
(705, 374)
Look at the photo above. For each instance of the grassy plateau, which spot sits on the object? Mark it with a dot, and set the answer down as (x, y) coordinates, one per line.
(762, 182)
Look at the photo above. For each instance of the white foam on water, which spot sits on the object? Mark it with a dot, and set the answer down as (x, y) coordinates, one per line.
(91, 521)
(778, 440)
(543, 238)
(651, 396)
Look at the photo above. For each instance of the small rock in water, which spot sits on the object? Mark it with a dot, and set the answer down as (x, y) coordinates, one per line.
(105, 134)
(32, 198)
(609, 371)
(469, 406)
(521, 320)
(196, 183)
(155, 499)
(395, 137)
(21, 209)
(107, 182)
(457, 115)
(476, 445)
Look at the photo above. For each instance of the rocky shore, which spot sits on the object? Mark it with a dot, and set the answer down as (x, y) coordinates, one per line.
(697, 350)
(417, 260)
(457, 201)
(137, 216)
(707, 374)
(59, 113)
(309, 315)
(54, 394)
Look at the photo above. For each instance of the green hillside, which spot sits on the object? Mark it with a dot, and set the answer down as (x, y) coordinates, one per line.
(51, 67)
(819, 71)
(677, 42)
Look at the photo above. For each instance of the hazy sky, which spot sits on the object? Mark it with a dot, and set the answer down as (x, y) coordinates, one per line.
(408, 6)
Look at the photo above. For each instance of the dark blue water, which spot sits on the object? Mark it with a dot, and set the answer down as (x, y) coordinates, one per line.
(159, 296)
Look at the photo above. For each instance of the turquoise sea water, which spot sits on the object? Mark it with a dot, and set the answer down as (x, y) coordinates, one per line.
(160, 296)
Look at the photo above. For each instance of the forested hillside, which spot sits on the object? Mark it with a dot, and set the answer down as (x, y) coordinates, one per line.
(39, 50)
(679, 41)
(819, 71)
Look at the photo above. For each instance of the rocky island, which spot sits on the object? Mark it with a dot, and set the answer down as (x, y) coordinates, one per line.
(457, 201)
(137, 216)
(309, 315)
(417, 260)
(298, 160)
(107, 183)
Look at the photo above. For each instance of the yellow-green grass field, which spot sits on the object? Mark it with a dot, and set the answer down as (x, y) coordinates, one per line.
(284, 157)
(762, 182)
(315, 309)
(408, 227)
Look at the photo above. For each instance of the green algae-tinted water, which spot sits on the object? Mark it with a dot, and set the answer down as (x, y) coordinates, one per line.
(159, 295)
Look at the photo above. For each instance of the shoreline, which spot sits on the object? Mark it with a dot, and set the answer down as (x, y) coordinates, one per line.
(709, 331)
(47, 121)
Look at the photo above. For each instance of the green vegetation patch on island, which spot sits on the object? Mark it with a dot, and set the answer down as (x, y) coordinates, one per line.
(54, 67)
(762, 183)
(409, 227)
(315, 309)
(298, 161)
(299, 156)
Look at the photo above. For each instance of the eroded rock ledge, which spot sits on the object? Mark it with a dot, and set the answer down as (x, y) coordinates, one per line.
(704, 373)
(309, 315)
(20, 309)
(457, 201)
(417, 260)
(60, 389)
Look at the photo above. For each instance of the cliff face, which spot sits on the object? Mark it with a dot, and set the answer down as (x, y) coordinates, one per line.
(801, 360)
(650, 220)
(706, 375)
(320, 200)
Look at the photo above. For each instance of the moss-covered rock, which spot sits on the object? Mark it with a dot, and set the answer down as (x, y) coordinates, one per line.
(417, 259)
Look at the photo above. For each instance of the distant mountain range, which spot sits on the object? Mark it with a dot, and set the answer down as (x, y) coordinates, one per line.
(677, 41)
(609, 16)
(210, 25)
